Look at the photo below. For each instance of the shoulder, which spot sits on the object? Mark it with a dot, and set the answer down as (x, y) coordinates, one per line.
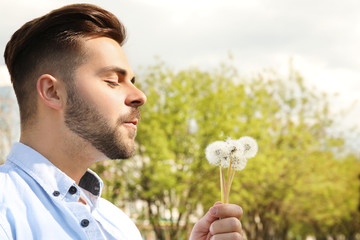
(11, 195)
(5, 230)
(11, 179)
(7, 178)
(15, 191)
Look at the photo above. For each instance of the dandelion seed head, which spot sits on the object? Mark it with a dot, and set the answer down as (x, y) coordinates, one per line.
(217, 152)
(231, 152)
(225, 162)
(236, 149)
(249, 145)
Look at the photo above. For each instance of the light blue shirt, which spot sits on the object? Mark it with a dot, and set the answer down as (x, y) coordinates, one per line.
(38, 201)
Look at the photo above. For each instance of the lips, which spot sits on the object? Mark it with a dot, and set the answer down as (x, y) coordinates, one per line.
(130, 120)
(132, 123)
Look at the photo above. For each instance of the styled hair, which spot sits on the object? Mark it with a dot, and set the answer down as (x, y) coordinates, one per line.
(53, 44)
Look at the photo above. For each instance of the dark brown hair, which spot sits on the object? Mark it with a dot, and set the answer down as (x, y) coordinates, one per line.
(53, 44)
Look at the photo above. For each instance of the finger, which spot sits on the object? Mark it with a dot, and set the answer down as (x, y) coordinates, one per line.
(226, 225)
(204, 223)
(227, 236)
(226, 210)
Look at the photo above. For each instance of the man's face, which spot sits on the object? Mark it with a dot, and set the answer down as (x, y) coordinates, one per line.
(102, 102)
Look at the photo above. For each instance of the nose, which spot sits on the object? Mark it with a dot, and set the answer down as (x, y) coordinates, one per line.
(135, 97)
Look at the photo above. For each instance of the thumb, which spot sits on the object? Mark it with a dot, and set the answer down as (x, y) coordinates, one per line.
(201, 229)
(209, 217)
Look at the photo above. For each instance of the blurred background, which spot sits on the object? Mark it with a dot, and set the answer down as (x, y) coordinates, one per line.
(284, 72)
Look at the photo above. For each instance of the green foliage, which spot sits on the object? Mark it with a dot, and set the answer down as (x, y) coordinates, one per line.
(296, 185)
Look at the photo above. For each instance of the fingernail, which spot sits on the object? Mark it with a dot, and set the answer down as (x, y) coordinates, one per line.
(213, 211)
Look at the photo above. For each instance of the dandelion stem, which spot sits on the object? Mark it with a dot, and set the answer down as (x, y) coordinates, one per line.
(228, 183)
(232, 174)
(222, 184)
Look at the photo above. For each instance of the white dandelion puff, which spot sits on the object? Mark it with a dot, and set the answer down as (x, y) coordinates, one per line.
(250, 146)
(236, 148)
(217, 153)
(238, 160)
(225, 162)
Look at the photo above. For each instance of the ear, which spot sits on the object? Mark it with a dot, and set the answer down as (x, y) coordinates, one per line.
(50, 91)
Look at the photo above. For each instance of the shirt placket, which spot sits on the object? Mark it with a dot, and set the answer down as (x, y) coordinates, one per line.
(84, 219)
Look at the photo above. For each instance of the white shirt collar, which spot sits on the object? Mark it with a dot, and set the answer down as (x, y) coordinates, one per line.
(52, 179)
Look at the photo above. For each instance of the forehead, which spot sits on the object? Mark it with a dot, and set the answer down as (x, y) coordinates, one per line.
(103, 53)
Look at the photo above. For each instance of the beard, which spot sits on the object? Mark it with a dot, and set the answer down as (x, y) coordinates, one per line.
(87, 122)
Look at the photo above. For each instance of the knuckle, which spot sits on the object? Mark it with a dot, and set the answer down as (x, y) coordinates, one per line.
(237, 236)
(234, 223)
(237, 211)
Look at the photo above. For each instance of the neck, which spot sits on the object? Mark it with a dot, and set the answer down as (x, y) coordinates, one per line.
(68, 152)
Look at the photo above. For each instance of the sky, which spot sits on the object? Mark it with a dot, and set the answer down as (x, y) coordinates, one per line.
(322, 37)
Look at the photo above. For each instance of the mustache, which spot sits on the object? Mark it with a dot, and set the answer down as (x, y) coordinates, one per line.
(134, 114)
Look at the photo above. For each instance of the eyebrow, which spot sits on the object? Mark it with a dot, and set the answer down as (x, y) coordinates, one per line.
(115, 69)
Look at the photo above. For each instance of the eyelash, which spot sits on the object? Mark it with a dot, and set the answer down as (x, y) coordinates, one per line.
(112, 83)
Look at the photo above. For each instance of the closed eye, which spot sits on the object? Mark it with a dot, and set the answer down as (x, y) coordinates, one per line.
(112, 83)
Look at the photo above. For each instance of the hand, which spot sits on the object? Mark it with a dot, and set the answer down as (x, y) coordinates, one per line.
(222, 221)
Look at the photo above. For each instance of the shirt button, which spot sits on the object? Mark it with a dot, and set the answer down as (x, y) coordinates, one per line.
(72, 190)
(56, 193)
(85, 222)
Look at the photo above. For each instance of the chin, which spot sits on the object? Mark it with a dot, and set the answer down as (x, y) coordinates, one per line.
(118, 148)
(121, 153)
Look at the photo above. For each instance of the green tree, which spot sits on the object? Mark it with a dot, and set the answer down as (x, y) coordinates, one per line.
(298, 184)
(286, 183)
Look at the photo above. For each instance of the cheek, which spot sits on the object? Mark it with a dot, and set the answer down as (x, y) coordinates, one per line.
(108, 101)
(110, 104)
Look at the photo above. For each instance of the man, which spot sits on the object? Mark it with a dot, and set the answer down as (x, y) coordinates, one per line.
(78, 105)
